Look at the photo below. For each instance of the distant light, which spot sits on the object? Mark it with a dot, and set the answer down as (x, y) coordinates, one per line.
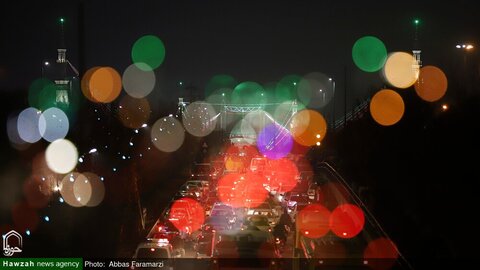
(114, 169)
(93, 150)
(330, 79)
(180, 83)
(469, 47)
(463, 46)
(294, 83)
(144, 125)
(130, 143)
(223, 94)
(47, 219)
(170, 115)
(80, 159)
(458, 46)
(318, 143)
(46, 63)
(102, 178)
(27, 232)
(60, 200)
(321, 90)
(56, 188)
(136, 131)
(444, 107)
(123, 157)
(318, 136)
(62, 20)
(416, 21)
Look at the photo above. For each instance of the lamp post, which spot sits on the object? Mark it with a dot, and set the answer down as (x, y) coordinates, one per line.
(333, 103)
(465, 48)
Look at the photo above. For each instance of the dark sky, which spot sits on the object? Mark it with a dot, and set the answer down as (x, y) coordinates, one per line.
(251, 40)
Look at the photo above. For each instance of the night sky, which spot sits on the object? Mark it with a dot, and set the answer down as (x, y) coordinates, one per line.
(260, 41)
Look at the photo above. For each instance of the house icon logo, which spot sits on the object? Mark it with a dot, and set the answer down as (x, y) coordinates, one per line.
(8, 249)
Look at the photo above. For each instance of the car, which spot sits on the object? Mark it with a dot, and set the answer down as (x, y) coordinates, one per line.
(259, 221)
(150, 251)
(221, 209)
(265, 209)
(203, 171)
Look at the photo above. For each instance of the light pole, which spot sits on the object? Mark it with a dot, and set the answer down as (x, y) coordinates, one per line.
(465, 48)
(333, 105)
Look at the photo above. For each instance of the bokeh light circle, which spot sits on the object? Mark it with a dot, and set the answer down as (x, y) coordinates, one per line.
(199, 118)
(315, 90)
(67, 190)
(167, 134)
(308, 127)
(274, 141)
(313, 221)
(432, 84)
(104, 85)
(61, 156)
(35, 91)
(85, 83)
(148, 52)
(387, 107)
(28, 125)
(53, 124)
(399, 70)
(133, 112)
(187, 215)
(218, 83)
(286, 174)
(369, 54)
(230, 188)
(98, 189)
(381, 253)
(138, 80)
(12, 133)
(82, 189)
(347, 220)
(248, 93)
(286, 88)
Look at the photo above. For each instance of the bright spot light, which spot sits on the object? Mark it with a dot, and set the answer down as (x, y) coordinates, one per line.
(60, 200)
(130, 143)
(444, 107)
(80, 159)
(61, 156)
(114, 169)
(47, 219)
(469, 47)
(318, 136)
(458, 46)
(93, 150)
(46, 63)
(318, 143)
(27, 232)
(144, 125)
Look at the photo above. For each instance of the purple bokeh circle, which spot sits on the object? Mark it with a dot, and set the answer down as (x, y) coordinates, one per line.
(274, 141)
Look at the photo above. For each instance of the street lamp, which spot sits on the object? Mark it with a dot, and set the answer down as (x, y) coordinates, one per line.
(333, 106)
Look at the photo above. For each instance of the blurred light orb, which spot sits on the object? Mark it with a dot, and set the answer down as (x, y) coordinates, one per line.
(67, 190)
(286, 88)
(432, 84)
(148, 52)
(133, 112)
(61, 156)
(138, 80)
(183, 221)
(218, 83)
(53, 124)
(35, 91)
(308, 127)
(313, 221)
(12, 132)
(199, 118)
(248, 93)
(401, 70)
(82, 189)
(387, 107)
(167, 134)
(274, 141)
(28, 125)
(347, 221)
(97, 187)
(104, 85)
(257, 120)
(369, 53)
(315, 90)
